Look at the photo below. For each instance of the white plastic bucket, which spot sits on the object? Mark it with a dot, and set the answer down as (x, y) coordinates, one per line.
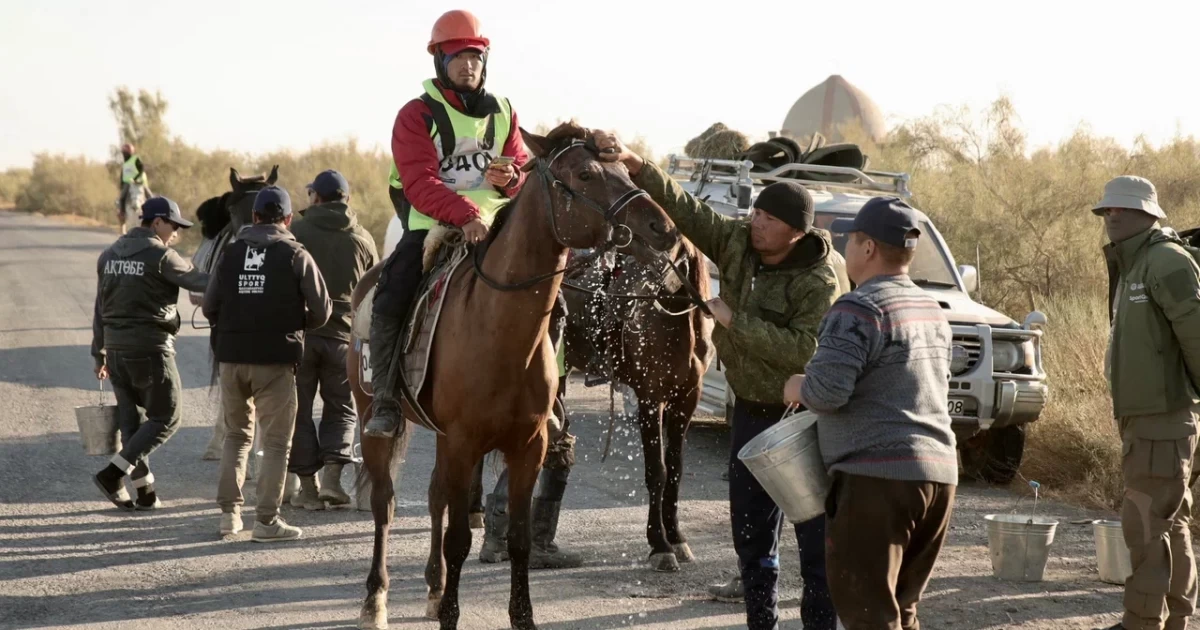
(98, 428)
(1019, 545)
(1112, 555)
(786, 460)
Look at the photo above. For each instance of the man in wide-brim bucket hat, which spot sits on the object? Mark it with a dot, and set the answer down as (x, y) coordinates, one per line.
(1153, 367)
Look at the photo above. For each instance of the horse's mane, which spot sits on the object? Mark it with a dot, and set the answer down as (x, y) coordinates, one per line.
(212, 215)
(558, 138)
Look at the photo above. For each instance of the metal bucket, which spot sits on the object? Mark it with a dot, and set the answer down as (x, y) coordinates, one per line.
(98, 429)
(785, 459)
(1112, 556)
(1019, 545)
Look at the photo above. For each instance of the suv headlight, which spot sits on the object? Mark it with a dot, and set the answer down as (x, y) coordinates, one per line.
(1010, 356)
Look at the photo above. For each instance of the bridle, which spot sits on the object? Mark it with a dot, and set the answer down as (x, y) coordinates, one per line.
(619, 234)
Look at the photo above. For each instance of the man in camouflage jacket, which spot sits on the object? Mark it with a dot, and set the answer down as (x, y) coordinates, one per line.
(779, 276)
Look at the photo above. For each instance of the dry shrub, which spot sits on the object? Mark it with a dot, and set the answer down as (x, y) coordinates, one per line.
(12, 182)
(59, 184)
(1074, 449)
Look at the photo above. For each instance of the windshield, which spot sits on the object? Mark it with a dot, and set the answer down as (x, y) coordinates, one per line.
(929, 266)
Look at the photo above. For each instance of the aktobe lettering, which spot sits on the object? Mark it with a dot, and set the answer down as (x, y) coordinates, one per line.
(479, 160)
(124, 268)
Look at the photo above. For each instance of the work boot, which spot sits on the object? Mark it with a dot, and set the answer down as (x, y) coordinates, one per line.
(275, 531)
(231, 522)
(731, 592)
(495, 530)
(111, 482)
(544, 553)
(331, 486)
(309, 497)
(291, 489)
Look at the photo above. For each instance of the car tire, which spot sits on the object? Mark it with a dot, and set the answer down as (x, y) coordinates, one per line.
(995, 455)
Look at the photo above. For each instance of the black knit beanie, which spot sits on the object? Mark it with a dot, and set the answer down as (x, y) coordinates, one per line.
(789, 202)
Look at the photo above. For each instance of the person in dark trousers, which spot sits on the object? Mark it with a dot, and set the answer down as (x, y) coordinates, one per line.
(133, 342)
(779, 275)
(1153, 370)
(343, 251)
(265, 293)
(878, 384)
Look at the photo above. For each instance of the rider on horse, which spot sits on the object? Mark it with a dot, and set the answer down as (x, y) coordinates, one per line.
(444, 145)
(133, 182)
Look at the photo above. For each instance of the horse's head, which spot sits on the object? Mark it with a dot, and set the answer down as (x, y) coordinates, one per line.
(593, 203)
(240, 200)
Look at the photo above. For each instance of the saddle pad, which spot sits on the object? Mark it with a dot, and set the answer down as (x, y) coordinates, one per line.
(360, 321)
(418, 339)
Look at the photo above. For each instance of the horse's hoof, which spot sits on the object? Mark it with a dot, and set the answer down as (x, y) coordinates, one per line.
(683, 553)
(476, 520)
(664, 562)
(432, 608)
(376, 619)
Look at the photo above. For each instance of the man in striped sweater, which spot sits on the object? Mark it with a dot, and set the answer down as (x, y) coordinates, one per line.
(878, 384)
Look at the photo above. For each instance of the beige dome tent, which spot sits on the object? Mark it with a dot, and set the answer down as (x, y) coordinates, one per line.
(832, 103)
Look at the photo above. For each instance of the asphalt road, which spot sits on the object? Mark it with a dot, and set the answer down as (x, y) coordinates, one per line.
(68, 559)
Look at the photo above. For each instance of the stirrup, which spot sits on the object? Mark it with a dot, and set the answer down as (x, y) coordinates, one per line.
(377, 427)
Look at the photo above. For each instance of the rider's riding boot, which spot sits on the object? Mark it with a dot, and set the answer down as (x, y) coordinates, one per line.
(386, 418)
(545, 553)
(495, 530)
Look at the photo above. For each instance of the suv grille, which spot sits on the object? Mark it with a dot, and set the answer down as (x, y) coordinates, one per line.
(974, 349)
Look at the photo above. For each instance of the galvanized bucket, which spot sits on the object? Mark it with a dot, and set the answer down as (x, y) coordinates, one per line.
(1019, 545)
(1112, 556)
(98, 428)
(785, 459)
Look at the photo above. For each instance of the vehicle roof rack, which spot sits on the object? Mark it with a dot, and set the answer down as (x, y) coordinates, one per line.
(712, 170)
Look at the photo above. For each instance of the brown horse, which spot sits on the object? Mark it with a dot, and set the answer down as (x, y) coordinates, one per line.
(492, 373)
(660, 348)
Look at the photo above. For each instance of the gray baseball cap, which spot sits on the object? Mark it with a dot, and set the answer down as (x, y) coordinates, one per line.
(1131, 193)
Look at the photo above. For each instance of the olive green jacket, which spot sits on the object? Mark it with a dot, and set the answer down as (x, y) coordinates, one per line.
(776, 308)
(1154, 352)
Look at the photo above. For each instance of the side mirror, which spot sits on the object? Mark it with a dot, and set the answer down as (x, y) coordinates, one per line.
(744, 192)
(970, 276)
(1035, 320)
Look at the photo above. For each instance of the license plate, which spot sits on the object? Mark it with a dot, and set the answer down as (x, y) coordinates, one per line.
(956, 406)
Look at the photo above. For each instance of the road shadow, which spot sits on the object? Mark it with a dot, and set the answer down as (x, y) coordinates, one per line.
(71, 366)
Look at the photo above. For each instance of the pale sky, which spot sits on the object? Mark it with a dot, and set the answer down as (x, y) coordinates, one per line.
(263, 75)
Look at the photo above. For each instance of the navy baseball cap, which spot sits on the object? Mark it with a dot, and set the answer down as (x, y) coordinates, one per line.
(330, 185)
(885, 219)
(163, 208)
(273, 202)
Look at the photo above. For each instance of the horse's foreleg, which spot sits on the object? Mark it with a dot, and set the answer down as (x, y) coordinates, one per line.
(377, 455)
(676, 418)
(435, 567)
(662, 556)
(523, 469)
(458, 531)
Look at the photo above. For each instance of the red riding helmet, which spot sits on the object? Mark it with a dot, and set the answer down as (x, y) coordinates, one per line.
(460, 27)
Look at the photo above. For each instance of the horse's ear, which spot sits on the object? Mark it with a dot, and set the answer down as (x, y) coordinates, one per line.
(273, 176)
(539, 145)
(234, 178)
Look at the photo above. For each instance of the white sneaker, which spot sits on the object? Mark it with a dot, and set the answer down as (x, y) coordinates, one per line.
(231, 523)
(275, 532)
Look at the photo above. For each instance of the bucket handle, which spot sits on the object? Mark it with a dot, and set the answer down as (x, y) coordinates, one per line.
(101, 398)
(788, 411)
